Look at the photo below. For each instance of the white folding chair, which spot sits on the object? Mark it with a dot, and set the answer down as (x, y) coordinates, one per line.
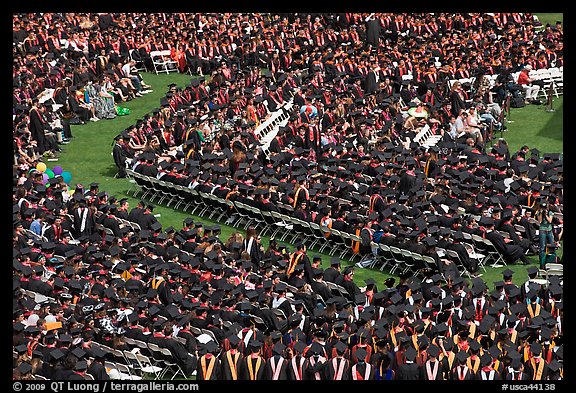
(170, 364)
(162, 62)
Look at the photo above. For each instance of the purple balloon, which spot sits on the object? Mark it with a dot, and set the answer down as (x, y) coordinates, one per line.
(44, 178)
(57, 170)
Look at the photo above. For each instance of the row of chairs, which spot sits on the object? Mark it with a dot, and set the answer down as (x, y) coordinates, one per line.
(143, 361)
(426, 137)
(287, 228)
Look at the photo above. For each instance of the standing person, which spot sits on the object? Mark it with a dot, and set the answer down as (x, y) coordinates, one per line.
(277, 365)
(338, 368)
(208, 366)
(458, 99)
(409, 371)
(160, 284)
(251, 244)
(231, 359)
(362, 370)
(544, 217)
(372, 31)
(252, 367)
(121, 152)
(37, 125)
(84, 222)
(299, 257)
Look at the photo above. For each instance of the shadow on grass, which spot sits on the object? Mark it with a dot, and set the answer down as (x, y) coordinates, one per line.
(110, 171)
(554, 128)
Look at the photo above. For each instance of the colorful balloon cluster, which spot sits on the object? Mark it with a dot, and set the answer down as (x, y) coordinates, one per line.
(48, 173)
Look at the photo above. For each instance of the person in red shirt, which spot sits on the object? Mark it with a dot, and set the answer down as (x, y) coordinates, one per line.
(530, 89)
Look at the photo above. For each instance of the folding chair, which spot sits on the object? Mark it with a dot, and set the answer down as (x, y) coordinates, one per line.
(301, 231)
(276, 223)
(170, 365)
(338, 290)
(133, 363)
(162, 62)
(124, 372)
(429, 262)
(257, 219)
(494, 253)
(352, 238)
(243, 216)
(140, 66)
(454, 257)
(480, 258)
(194, 201)
(554, 269)
(397, 258)
(338, 242)
(283, 223)
(408, 260)
(269, 223)
(319, 237)
(384, 255)
(146, 365)
(419, 265)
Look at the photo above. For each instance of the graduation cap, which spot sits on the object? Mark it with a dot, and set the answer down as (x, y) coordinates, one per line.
(507, 274)
(56, 354)
(255, 345)
(410, 354)
(474, 345)
(299, 347)
(340, 347)
(433, 350)
(24, 367)
(278, 348)
(79, 353)
(462, 356)
(361, 354)
(316, 349)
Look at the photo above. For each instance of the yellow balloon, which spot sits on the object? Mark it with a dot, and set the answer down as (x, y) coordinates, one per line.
(41, 167)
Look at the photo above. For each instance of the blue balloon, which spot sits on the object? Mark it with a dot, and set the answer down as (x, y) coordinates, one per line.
(67, 176)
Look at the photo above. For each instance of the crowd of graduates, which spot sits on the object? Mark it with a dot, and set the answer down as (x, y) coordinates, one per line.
(343, 160)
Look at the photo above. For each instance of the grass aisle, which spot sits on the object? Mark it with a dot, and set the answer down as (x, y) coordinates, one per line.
(88, 158)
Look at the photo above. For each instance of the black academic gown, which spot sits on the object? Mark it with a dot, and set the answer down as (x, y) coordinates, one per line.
(279, 363)
(320, 288)
(146, 221)
(331, 367)
(510, 252)
(295, 367)
(408, 372)
(314, 369)
(228, 365)
(216, 370)
(257, 370)
(98, 371)
(37, 125)
(351, 287)
(468, 376)
(424, 373)
(331, 275)
(178, 351)
(358, 372)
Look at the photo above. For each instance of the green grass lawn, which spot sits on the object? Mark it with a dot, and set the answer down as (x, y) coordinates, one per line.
(88, 158)
(550, 18)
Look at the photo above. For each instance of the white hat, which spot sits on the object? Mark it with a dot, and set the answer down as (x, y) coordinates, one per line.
(528, 67)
